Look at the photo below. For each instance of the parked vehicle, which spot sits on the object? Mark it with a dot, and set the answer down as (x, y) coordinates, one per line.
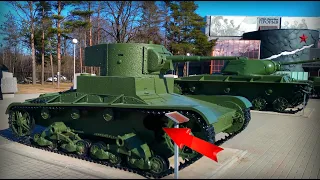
(117, 118)
(55, 78)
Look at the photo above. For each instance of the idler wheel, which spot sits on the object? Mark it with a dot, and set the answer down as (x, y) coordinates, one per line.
(158, 164)
(84, 146)
(259, 104)
(280, 104)
(21, 123)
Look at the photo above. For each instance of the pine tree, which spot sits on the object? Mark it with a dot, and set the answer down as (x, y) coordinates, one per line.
(185, 33)
(59, 30)
(149, 24)
(26, 11)
(185, 30)
(81, 22)
(43, 15)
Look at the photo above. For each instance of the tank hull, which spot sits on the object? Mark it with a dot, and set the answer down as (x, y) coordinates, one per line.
(100, 118)
(264, 92)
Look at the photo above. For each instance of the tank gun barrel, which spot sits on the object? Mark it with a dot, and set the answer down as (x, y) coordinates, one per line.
(301, 62)
(181, 58)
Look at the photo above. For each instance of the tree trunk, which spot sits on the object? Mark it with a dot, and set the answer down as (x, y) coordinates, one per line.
(32, 45)
(90, 34)
(59, 44)
(65, 47)
(42, 58)
(80, 55)
(51, 64)
(33, 57)
(85, 45)
(98, 38)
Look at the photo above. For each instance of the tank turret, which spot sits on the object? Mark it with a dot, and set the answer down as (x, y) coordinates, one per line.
(257, 67)
(135, 60)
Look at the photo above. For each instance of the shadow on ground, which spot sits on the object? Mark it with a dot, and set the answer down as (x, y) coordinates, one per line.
(8, 134)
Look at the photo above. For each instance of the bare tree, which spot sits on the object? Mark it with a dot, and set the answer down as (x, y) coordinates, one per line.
(10, 29)
(27, 12)
(122, 17)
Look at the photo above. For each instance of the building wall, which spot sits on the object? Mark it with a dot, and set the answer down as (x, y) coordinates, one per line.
(229, 29)
(247, 48)
(285, 45)
(234, 26)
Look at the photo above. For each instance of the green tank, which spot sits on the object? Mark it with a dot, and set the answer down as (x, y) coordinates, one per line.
(117, 118)
(253, 79)
(316, 86)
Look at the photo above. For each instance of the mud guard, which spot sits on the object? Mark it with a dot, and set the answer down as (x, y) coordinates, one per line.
(243, 102)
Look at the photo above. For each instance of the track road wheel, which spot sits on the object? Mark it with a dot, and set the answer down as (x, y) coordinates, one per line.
(21, 123)
(259, 104)
(280, 104)
(89, 142)
(83, 147)
(196, 130)
(158, 164)
(115, 159)
(54, 145)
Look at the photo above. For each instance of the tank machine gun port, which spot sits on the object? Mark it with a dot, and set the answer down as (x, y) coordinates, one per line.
(252, 79)
(117, 118)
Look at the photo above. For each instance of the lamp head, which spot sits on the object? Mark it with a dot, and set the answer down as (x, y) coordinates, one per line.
(74, 41)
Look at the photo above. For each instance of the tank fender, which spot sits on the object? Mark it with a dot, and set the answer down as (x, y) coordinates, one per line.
(243, 102)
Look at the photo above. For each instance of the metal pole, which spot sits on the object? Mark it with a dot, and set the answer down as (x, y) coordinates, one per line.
(187, 68)
(58, 74)
(74, 63)
(176, 157)
(304, 103)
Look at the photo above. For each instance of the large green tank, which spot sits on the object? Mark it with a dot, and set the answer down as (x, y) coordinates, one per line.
(253, 79)
(117, 118)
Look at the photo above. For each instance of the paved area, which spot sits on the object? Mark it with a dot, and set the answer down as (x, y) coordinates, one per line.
(20, 161)
(272, 146)
(17, 166)
(279, 146)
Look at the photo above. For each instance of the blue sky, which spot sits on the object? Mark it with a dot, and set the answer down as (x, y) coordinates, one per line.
(244, 8)
(238, 8)
(260, 8)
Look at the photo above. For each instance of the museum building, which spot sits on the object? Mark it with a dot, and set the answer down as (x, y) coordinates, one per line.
(283, 39)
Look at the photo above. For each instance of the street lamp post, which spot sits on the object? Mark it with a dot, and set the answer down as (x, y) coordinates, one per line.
(74, 41)
(188, 54)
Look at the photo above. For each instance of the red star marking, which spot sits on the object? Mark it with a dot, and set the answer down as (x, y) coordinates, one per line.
(303, 38)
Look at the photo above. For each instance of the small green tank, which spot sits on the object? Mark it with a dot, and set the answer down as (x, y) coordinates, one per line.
(117, 118)
(253, 79)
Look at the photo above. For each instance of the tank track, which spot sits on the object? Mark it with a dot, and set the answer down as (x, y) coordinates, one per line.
(209, 129)
(302, 90)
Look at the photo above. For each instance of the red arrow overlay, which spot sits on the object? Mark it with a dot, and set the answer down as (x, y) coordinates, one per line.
(182, 137)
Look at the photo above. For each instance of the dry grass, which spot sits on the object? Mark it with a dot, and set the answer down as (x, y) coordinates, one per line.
(46, 88)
